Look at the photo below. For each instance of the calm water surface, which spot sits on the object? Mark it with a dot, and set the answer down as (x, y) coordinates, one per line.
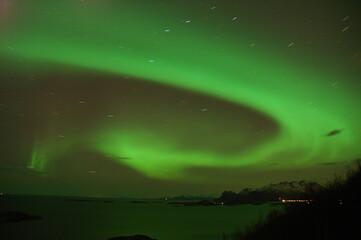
(65, 220)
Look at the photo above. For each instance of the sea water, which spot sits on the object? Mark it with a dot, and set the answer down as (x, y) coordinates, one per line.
(97, 220)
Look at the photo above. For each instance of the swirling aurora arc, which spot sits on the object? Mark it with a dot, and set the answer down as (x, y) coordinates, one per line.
(198, 49)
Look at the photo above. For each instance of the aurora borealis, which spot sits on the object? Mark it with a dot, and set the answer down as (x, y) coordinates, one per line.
(192, 96)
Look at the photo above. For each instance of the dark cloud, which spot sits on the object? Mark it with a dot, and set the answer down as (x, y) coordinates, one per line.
(334, 132)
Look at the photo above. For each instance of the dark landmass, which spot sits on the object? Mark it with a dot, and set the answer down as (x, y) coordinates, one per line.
(198, 203)
(88, 200)
(270, 193)
(138, 201)
(183, 200)
(191, 198)
(266, 194)
(333, 214)
(17, 217)
(135, 237)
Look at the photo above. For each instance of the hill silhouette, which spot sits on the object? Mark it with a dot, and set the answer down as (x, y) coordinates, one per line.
(334, 213)
(271, 192)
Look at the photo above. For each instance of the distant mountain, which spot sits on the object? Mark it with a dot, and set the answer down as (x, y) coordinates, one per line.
(271, 192)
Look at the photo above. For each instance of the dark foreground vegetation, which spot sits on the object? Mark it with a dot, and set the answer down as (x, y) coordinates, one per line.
(333, 213)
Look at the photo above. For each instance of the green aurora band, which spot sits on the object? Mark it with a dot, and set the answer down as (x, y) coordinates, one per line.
(161, 43)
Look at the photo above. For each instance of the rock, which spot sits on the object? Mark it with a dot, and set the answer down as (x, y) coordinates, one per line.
(135, 237)
(17, 216)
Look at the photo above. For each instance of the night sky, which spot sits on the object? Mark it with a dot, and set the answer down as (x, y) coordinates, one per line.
(152, 98)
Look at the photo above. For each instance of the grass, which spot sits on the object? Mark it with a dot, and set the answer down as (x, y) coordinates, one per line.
(334, 213)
